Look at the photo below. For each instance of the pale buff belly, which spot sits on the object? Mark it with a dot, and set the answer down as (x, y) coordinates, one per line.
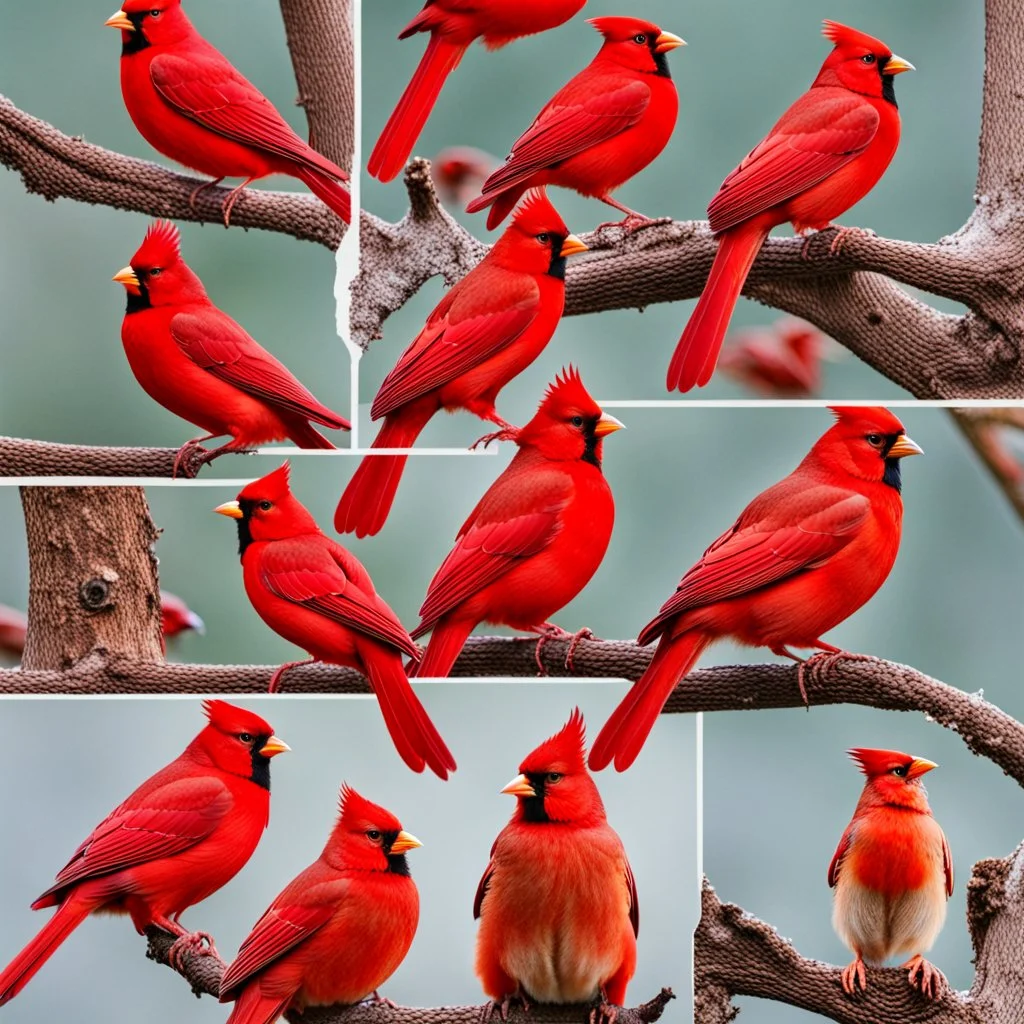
(879, 928)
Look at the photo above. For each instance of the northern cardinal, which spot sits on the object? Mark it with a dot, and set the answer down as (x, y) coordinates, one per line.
(601, 128)
(557, 904)
(892, 872)
(453, 25)
(176, 617)
(484, 332)
(339, 930)
(184, 833)
(537, 536)
(200, 364)
(13, 631)
(460, 172)
(823, 156)
(189, 103)
(314, 593)
(803, 556)
(780, 361)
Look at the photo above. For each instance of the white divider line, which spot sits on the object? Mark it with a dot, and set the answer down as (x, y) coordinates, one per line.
(812, 403)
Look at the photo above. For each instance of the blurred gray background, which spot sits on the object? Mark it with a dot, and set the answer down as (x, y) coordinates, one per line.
(745, 63)
(84, 757)
(65, 374)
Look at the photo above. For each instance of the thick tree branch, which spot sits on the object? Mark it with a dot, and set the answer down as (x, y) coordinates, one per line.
(204, 974)
(986, 431)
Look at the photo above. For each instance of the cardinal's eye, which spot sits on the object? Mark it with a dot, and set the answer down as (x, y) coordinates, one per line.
(373, 835)
(640, 39)
(868, 58)
(552, 777)
(245, 737)
(900, 771)
(266, 506)
(154, 13)
(156, 272)
(875, 440)
(544, 238)
(577, 421)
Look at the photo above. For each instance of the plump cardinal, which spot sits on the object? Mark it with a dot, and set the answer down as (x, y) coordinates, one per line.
(484, 332)
(803, 556)
(825, 154)
(184, 833)
(339, 930)
(192, 105)
(780, 361)
(557, 904)
(314, 593)
(453, 25)
(176, 617)
(460, 172)
(13, 631)
(537, 536)
(200, 364)
(892, 872)
(598, 130)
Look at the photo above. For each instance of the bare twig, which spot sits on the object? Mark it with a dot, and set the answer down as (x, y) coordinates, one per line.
(986, 430)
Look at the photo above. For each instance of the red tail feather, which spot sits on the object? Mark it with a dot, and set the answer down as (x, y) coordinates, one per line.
(446, 643)
(253, 1007)
(329, 191)
(696, 355)
(306, 436)
(626, 731)
(404, 126)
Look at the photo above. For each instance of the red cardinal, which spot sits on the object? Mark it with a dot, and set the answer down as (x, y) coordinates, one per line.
(339, 930)
(184, 833)
(200, 364)
(780, 361)
(825, 154)
(537, 536)
(460, 172)
(892, 872)
(802, 557)
(484, 332)
(192, 105)
(316, 595)
(176, 617)
(453, 25)
(13, 631)
(557, 904)
(600, 129)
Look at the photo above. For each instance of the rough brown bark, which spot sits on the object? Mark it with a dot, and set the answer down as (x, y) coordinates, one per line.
(92, 576)
(20, 457)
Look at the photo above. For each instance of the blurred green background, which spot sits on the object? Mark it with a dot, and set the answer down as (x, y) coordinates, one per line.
(745, 63)
(96, 752)
(65, 375)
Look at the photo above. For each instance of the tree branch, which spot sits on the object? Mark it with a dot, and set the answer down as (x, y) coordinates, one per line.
(985, 431)
(203, 973)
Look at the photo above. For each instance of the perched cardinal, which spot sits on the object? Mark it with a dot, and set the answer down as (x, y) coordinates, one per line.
(13, 631)
(803, 556)
(453, 25)
(557, 904)
(892, 872)
(176, 617)
(460, 172)
(780, 361)
(200, 364)
(484, 332)
(339, 930)
(825, 154)
(184, 833)
(192, 105)
(599, 130)
(315, 594)
(537, 536)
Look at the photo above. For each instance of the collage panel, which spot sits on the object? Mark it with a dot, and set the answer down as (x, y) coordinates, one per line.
(501, 733)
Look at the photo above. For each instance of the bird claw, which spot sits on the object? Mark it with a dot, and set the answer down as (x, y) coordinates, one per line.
(925, 977)
(853, 975)
(274, 685)
(195, 943)
(549, 632)
(842, 234)
(604, 1013)
(379, 1000)
(633, 221)
(505, 434)
(197, 192)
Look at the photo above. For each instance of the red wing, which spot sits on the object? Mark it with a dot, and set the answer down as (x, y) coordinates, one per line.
(277, 931)
(947, 866)
(485, 881)
(750, 557)
(207, 89)
(634, 901)
(815, 137)
(484, 553)
(564, 129)
(310, 575)
(445, 350)
(837, 857)
(216, 343)
(169, 820)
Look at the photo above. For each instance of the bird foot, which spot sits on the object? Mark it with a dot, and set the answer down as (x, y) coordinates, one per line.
(379, 1000)
(633, 221)
(505, 434)
(233, 196)
(548, 632)
(604, 1013)
(842, 234)
(274, 686)
(503, 1007)
(194, 943)
(820, 664)
(192, 456)
(197, 192)
(853, 975)
(925, 977)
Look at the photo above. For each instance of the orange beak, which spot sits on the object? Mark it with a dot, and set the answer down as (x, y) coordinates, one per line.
(897, 65)
(273, 747)
(129, 279)
(571, 246)
(404, 842)
(231, 509)
(607, 425)
(667, 41)
(903, 447)
(120, 20)
(920, 766)
(520, 786)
